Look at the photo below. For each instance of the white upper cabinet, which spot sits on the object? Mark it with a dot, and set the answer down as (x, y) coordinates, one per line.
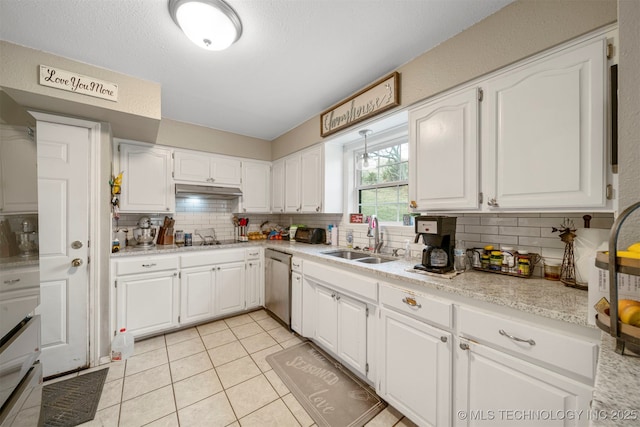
(292, 184)
(205, 168)
(543, 132)
(146, 181)
(444, 152)
(313, 181)
(18, 175)
(537, 140)
(256, 186)
(277, 186)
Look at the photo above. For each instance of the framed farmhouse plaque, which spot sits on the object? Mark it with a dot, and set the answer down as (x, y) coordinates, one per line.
(374, 99)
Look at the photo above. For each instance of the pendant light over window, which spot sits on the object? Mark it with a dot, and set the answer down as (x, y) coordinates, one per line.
(365, 161)
(210, 24)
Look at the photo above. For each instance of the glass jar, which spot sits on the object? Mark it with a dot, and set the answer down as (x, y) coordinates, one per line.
(524, 263)
(188, 239)
(179, 238)
(495, 260)
(485, 260)
(459, 260)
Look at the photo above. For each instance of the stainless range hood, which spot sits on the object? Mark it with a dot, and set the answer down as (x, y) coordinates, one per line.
(207, 191)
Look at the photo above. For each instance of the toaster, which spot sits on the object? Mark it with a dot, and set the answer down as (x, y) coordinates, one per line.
(310, 235)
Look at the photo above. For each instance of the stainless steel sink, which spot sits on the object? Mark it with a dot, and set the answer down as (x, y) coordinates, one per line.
(347, 254)
(374, 260)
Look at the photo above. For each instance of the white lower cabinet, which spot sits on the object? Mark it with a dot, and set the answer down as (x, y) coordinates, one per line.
(254, 289)
(147, 303)
(196, 294)
(229, 288)
(496, 389)
(415, 369)
(296, 302)
(341, 327)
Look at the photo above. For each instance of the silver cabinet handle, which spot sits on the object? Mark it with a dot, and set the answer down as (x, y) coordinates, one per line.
(464, 346)
(443, 338)
(12, 281)
(77, 262)
(149, 265)
(529, 341)
(411, 302)
(337, 297)
(333, 295)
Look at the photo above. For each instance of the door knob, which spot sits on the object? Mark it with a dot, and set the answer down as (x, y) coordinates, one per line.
(77, 262)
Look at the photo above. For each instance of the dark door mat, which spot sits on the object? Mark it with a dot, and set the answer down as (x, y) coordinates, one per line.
(72, 402)
(331, 394)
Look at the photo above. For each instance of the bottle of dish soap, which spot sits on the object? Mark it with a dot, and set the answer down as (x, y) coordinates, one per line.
(122, 346)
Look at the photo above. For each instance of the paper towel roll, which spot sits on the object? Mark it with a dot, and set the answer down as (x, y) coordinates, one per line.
(588, 241)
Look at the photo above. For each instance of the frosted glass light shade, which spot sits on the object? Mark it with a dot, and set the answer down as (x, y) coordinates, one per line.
(210, 24)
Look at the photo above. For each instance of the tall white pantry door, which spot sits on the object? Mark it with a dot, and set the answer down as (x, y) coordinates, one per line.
(63, 215)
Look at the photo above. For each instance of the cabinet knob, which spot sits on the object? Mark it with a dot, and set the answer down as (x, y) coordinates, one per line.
(464, 346)
(443, 338)
(77, 262)
(167, 209)
(337, 297)
(333, 295)
(493, 202)
(317, 208)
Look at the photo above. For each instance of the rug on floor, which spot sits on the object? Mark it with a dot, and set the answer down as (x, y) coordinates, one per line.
(72, 402)
(331, 394)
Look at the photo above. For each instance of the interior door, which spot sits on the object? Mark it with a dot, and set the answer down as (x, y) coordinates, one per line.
(63, 208)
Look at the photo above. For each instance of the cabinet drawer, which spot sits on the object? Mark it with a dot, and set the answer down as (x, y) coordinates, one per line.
(19, 278)
(254, 253)
(146, 265)
(522, 338)
(424, 307)
(220, 256)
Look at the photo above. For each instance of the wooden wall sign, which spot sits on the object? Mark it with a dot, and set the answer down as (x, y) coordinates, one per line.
(373, 100)
(77, 83)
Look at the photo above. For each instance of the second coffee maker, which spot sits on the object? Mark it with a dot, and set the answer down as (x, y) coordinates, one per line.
(438, 233)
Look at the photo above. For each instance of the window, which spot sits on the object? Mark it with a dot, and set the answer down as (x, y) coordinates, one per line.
(383, 189)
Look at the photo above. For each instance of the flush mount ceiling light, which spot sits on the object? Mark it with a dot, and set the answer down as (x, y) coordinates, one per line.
(365, 161)
(210, 24)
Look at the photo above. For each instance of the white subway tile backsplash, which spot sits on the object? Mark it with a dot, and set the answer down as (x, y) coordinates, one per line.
(499, 221)
(520, 231)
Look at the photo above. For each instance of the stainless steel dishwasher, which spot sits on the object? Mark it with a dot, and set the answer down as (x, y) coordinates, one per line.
(278, 284)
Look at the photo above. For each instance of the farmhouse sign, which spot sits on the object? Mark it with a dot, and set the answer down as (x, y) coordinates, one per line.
(373, 100)
(72, 82)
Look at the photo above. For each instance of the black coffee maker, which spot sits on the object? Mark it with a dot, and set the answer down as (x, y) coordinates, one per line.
(439, 236)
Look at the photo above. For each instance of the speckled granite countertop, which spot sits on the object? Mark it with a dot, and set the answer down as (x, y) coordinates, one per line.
(618, 377)
(18, 262)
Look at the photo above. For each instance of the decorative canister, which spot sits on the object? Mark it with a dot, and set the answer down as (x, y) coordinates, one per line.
(485, 260)
(188, 239)
(524, 263)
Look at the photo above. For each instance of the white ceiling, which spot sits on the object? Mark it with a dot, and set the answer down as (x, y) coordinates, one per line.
(295, 59)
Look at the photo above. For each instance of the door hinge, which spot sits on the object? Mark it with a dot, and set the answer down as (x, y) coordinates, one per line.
(118, 148)
(480, 94)
(173, 155)
(481, 197)
(366, 368)
(88, 260)
(366, 312)
(173, 174)
(180, 275)
(609, 192)
(115, 283)
(609, 50)
(178, 319)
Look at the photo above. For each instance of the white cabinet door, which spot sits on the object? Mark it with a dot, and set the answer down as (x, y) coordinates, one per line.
(146, 181)
(415, 369)
(489, 383)
(254, 291)
(229, 288)
(352, 332)
(444, 153)
(296, 302)
(277, 186)
(202, 168)
(18, 170)
(196, 294)
(326, 327)
(311, 175)
(256, 186)
(543, 132)
(191, 167)
(147, 303)
(308, 307)
(226, 171)
(292, 184)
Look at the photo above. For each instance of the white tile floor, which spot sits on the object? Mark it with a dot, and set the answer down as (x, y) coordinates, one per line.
(210, 375)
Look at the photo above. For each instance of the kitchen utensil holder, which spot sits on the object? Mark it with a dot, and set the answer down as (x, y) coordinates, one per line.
(534, 259)
(625, 335)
